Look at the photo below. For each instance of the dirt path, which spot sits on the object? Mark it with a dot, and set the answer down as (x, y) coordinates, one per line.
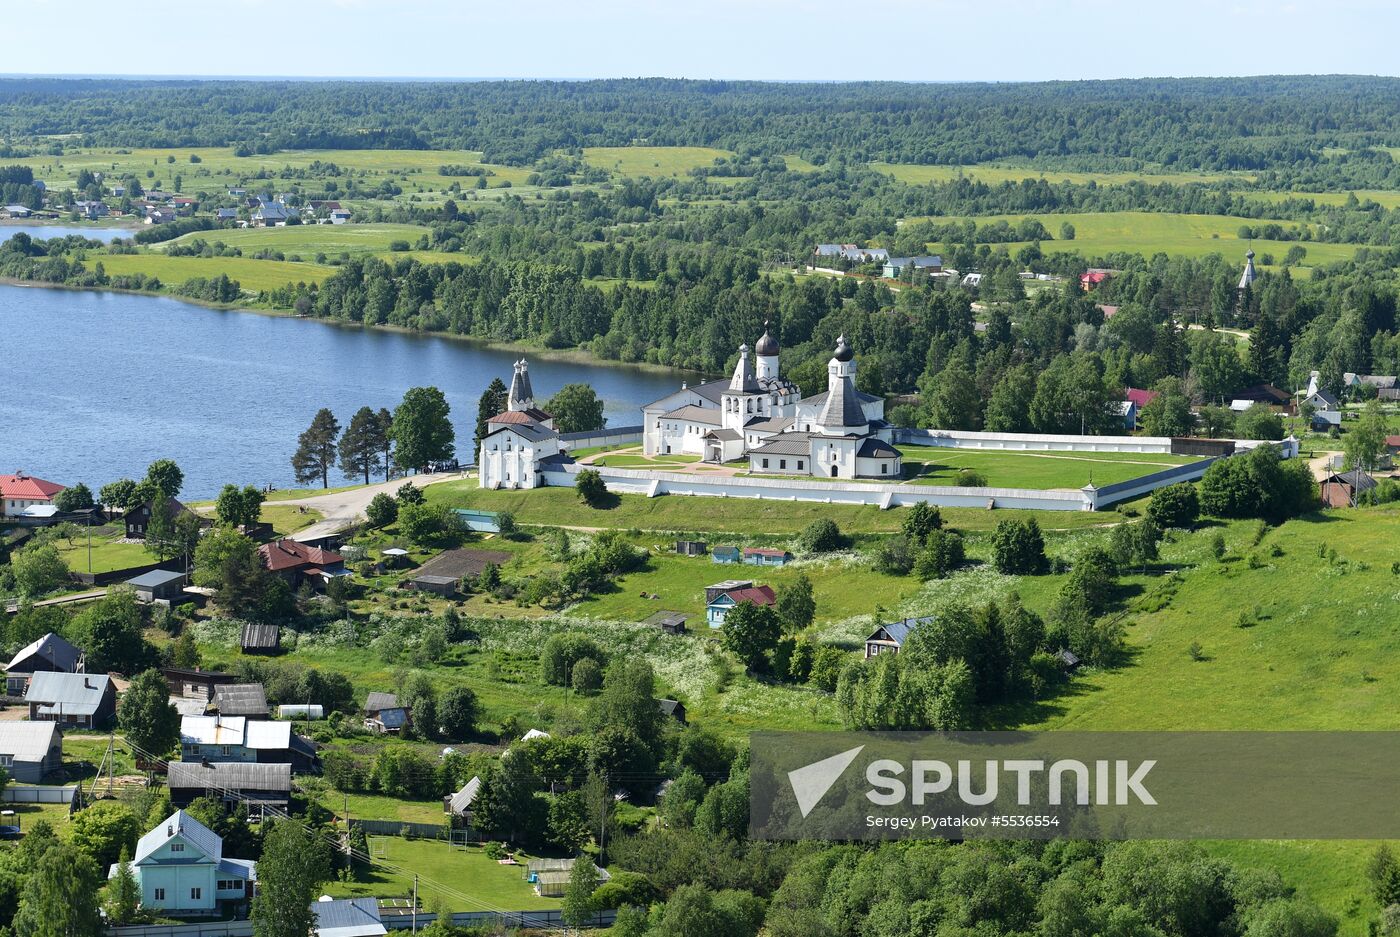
(1321, 464)
(342, 509)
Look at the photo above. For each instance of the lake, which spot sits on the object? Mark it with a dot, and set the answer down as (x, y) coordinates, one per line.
(44, 231)
(98, 385)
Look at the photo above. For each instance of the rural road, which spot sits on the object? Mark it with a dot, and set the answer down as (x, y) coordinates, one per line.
(342, 509)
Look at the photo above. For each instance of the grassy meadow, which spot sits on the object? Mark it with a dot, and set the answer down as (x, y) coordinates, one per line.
(991, 174)
(652, 160)
(460, 879)
(934, 465)
(1148, 233)
(309, 240)
(251, 274)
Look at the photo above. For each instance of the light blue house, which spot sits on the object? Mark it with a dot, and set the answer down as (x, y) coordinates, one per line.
(717, 608)
(180, 870)
(764, 556)
(724, 555)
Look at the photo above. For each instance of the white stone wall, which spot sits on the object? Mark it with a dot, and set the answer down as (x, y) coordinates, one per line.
(960, 439)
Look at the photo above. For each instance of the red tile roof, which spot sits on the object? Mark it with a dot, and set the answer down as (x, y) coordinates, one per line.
(758, 595)
(1141, 397)
(763, 551)
(1392, 442)
(1094, 276)
(288, 554)
(28, 487)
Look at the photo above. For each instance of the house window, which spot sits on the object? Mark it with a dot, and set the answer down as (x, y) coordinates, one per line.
(799, 465)
(884, 468)
(229, 885)
(7, 761)
(765, 463)
(782, 463)
(177, 847)
(194, 894)
(224, 750)
(160, 894)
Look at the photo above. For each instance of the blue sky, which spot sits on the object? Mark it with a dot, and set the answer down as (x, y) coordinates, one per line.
(916, 40)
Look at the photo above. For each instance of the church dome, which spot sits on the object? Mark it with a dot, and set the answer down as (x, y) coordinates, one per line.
(767, 345)
(843, 349)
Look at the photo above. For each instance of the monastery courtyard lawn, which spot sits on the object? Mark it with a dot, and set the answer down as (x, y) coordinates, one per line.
(936, 465)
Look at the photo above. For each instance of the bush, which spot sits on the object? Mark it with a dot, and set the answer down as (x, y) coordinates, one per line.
(1175, 506)
(1258, 484)
(587, 677)
(821, 536)
(970, 478)
(921, 520)
(590, 487)
(895, 556)
(382, 510)
(942, 553)
(827, 664)
(562, 654)
(1018, 548)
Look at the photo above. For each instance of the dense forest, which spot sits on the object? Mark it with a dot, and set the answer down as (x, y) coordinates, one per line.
(1215, 124)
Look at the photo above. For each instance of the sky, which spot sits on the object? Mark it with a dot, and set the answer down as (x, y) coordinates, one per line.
(796, 40)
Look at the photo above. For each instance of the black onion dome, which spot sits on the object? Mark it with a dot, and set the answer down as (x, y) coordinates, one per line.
(767, 345)
(843, 349)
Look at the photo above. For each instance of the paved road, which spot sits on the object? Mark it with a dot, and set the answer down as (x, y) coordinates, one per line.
(342, 509)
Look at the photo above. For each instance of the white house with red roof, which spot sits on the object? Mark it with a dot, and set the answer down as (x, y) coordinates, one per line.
(19, 492)
(721, 605)
(520, 441)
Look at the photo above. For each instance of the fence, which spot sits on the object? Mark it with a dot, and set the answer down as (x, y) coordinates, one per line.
(399, 828)
(959, 439)
(1133, 487)
(552, 918)
(654, 484)
(601, 437)
(28, 794)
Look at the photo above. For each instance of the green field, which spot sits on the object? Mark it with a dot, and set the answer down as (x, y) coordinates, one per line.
(561, 507)
(107, 554)
(459, 879)
(218, 168)
(1384, 197)
(652, 160)
(913, 174)
(934, 465)
(1148, 233)
(251, 274)
(311, 239)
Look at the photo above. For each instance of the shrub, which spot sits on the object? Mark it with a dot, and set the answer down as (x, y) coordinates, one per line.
(895, 556)
(1175, 506)
(821, 536)
(590, 487)
(382, 510)
(587, 677)
(1018, 548)
(942, 553)
(1217, 545)
(970, 478)
(921, 520)
(562, 654)
(827, 664)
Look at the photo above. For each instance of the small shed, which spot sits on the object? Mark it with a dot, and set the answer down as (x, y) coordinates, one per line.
(1340, 489)
(348, 917)
(31, 750)
(669, 622)
(481, 521)
(692, 547)
(437, 585)
(725, 555)
(673, 708)
(261, 639)
(158, 585)
(1068, 659)
(766, 556)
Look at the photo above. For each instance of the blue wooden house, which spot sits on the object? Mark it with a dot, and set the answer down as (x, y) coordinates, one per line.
(725, 555)
(765, 556)
(180, 870)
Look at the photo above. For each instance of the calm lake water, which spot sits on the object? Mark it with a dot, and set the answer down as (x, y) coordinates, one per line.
(98, 385)
(45, 231)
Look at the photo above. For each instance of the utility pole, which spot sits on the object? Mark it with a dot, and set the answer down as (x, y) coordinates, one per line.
(415, 902)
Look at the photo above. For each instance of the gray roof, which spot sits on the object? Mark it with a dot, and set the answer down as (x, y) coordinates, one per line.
(771, 425)
(533, 432)
(743, 380)
(463, 799)
(51, 648)
(229, 775)
(27, 741)
(395, 717)
(694, 414)
(724, 435)
(348, 917)
(1357, 479)
(377, 701)
(785, 444)
(1247, 275)
(818, 400)
(259, 636)
(842, 407)
(874, 448)
(1326, 396)
(241, 699)
(78, 694)
(899, 631)
(155, 578)
(521, 393)
(183, 825)
(1379, 381)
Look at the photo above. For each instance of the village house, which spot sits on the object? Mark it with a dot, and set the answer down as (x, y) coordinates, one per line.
(725, 555)
(50, 654)
(158, 585)
(889, 638)
(1095, 277)
(90, 210)
(181, 870)
(459, 804)
(718, 608)
(270, 214)
(81, 700)
(766, 556)
(17, 211)
(384, 715)
(300, 562)
(19, 492)
(235, 738)
(895, 266)
(347, 917)
(195, 684)
(240, 699)
(256, 784)
(852, 253)
(1341, 489)
(30, 750)
(138, 519)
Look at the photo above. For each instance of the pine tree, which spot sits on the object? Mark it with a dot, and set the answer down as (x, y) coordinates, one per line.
(360, 445)
(385, 421)
(315, 455)
(493, 401)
